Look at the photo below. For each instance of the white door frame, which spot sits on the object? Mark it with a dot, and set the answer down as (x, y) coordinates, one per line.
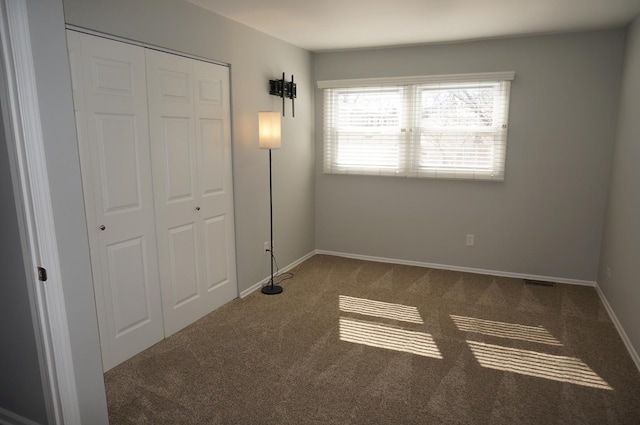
(18, 94)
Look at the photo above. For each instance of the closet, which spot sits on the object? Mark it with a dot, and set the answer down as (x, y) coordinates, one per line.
(155, 153)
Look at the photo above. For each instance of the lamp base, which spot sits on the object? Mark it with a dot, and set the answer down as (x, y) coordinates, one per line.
(271, 290)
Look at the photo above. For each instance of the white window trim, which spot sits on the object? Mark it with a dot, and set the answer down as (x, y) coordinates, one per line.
(420, 79)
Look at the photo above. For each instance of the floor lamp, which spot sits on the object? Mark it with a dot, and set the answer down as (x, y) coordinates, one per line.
(269, 124)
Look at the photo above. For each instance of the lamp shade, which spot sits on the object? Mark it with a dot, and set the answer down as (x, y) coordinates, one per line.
(269, 130)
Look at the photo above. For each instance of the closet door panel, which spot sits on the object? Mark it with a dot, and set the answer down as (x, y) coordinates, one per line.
(183, 265)
(128, 284)
(212, 157)
(179, 158)
(216, 250)
(212, 113)
(110, 101)
(189, 125)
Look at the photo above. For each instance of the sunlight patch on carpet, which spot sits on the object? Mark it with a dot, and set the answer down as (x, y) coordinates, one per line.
(388, 337)
(385, 310)
(536, 334)
(541, 365)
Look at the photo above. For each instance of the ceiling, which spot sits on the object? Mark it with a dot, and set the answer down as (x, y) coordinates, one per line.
(346, 24)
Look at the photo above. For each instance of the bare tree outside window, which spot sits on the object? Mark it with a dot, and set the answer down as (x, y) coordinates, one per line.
(368, 127)
(457, 127)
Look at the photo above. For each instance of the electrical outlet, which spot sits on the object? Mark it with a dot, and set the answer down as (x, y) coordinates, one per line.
(471, 240)
(608, 271)
(267, 247)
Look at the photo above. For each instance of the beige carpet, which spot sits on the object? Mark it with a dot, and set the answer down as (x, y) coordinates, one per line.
(356, 342)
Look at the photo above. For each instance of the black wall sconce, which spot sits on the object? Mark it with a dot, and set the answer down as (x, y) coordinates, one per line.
(285, 90)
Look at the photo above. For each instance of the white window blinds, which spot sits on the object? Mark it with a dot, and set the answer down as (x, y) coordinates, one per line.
(451, 127)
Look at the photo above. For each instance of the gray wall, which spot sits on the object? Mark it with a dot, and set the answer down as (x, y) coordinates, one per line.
(621, 241)
(254, 58)
(546, 217)
(48, 40)
(21, 385)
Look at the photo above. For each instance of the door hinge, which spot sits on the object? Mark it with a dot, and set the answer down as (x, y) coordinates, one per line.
(42, 274)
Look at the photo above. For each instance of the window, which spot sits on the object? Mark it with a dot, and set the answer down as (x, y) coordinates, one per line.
(439, 127)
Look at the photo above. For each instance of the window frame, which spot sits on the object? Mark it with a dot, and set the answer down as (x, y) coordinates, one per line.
(410, 129)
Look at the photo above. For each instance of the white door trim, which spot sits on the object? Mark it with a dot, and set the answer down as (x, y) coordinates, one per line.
(30, 178)
(141, 44)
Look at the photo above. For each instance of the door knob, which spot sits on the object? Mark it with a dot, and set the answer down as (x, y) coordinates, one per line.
(102, 227)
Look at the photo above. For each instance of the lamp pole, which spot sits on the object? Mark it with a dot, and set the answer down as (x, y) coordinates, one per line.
(271, 289)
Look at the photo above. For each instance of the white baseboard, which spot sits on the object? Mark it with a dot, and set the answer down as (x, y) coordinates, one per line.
(422, 264)
(282, 270)
(460, 269)
(627, 342)
(9, 418)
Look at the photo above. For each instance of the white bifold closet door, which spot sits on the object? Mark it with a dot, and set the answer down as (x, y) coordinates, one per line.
(191, 157)
(155, 147)
(110, 98)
